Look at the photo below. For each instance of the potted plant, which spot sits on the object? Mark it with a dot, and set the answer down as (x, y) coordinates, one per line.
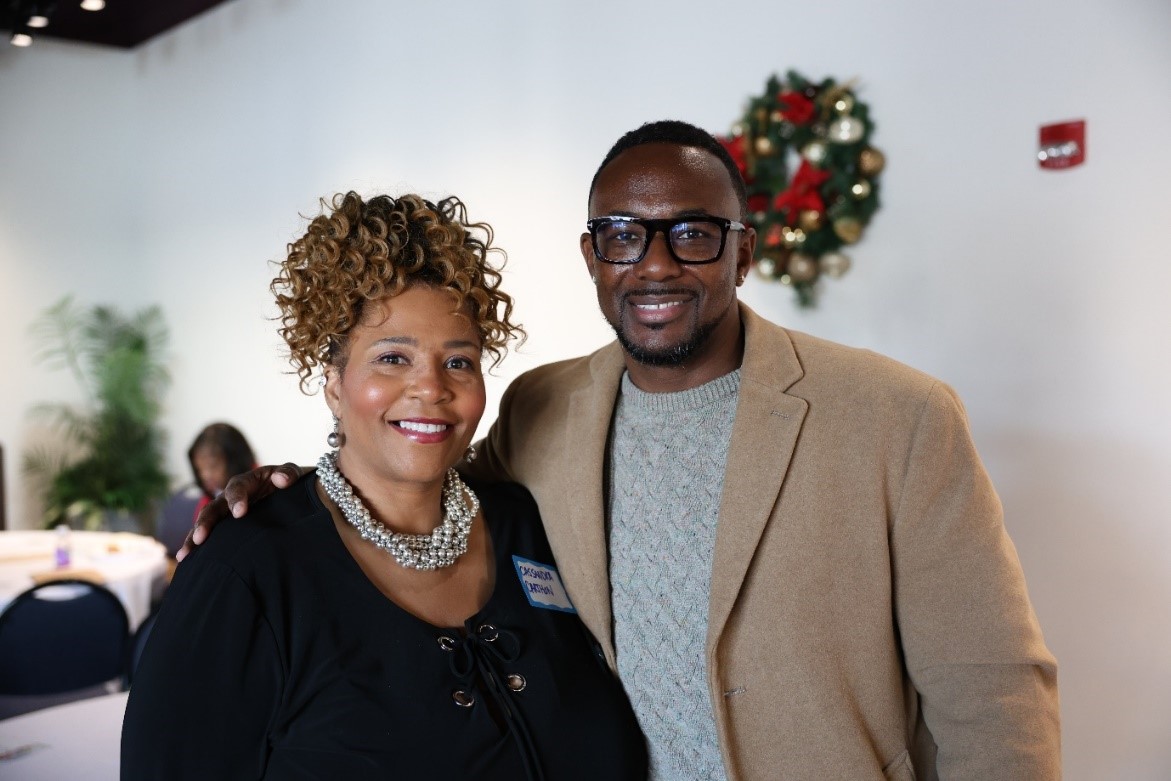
(114, 464)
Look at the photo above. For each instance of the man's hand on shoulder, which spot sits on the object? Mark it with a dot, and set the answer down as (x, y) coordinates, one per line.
(240, 490)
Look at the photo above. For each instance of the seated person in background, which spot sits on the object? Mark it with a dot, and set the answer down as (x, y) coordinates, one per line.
(218, 452)
(382, 618)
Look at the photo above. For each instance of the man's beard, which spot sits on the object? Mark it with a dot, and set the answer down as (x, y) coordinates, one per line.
(673, 355)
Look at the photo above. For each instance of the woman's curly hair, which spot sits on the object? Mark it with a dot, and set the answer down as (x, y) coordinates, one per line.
(358, 251)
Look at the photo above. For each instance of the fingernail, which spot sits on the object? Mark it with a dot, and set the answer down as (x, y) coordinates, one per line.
(180, 555)
(237, 509)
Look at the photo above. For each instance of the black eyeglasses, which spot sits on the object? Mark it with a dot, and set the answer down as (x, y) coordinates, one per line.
(689, 239)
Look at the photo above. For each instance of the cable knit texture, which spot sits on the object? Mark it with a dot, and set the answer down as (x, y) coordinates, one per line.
(667, 457)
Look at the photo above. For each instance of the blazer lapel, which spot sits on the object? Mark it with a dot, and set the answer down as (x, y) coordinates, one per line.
(764, 435)
(587, 430)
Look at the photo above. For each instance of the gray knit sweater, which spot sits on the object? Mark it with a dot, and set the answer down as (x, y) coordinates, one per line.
(664, 480)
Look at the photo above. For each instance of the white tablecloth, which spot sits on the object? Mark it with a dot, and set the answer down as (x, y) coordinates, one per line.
(75, 742)
(127, 564)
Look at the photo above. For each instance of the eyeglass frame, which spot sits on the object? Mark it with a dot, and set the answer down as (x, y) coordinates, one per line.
(655, 226)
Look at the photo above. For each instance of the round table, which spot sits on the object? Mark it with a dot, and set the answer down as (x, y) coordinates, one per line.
(80, 740)
(127, 564)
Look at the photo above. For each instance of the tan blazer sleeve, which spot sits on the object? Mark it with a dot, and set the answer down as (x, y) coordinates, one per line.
(973, 647)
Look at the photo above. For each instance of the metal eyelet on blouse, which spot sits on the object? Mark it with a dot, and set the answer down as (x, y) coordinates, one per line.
(447, 643)
(516, 682)
(486, 629)
(463, 699)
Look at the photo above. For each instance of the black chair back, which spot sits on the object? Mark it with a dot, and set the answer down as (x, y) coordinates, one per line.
(61, 636)
(176, 517)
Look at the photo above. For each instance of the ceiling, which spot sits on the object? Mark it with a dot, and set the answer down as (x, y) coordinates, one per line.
(122, 23)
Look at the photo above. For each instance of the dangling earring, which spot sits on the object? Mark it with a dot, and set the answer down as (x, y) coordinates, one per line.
(335, 439)
(470, 453)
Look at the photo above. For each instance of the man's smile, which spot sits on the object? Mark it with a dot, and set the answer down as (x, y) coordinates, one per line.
(656, 308)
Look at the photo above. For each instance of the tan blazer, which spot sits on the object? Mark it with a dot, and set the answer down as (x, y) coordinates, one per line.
(863, 584)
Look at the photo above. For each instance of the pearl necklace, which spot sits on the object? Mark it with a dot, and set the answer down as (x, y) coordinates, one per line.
(431, 551)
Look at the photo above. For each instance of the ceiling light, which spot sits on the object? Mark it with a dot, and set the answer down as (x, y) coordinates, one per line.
(93, 5)
(36, 20)
(22, 39)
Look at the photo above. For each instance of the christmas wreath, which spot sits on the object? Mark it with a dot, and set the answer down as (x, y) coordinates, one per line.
(812, 175)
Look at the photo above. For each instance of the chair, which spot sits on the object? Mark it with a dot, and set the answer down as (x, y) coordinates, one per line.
(63, 636)
(176, 518)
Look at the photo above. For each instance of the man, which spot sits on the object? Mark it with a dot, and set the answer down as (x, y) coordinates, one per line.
(787, 548)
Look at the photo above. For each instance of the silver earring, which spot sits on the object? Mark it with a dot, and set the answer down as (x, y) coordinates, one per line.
(594, 280)
(335, 437)
(470, 453)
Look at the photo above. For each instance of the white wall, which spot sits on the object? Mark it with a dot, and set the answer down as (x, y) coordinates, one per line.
(1039, 295)
(67, 175)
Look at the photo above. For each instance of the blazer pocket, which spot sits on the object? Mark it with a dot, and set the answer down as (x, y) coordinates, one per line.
(900, 769)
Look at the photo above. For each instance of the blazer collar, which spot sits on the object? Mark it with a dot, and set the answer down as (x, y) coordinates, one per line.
(764, 435)
(588, 429)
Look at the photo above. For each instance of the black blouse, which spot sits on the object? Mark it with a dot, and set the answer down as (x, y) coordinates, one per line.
(275, 657)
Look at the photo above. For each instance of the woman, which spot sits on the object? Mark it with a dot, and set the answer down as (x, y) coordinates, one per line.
(382, 619)
(218, 452)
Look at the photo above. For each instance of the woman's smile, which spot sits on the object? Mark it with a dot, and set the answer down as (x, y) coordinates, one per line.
(423, 430)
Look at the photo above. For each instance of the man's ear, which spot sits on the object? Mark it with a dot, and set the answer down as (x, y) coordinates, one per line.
(587, 254)
(745, 251)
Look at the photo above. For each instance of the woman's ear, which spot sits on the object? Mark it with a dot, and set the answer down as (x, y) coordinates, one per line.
(333, 381)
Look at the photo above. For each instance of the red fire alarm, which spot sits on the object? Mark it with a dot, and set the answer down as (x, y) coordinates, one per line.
(1062, 145)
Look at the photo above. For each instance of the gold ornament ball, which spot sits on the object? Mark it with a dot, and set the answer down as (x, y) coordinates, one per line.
(763, 146)
(860, 189)
(871, 161)
(845, 130)
(793, 237)
(801, 268)
(758, 217)
(834, 264)
(815, 152)
(776, 117)
(844, 104)
(809, 220)
(848, 229)
(737, 130)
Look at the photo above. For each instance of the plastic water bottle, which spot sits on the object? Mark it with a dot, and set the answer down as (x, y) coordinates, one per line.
(61, 555)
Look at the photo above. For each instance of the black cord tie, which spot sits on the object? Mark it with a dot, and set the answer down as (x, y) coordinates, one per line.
(482, 650)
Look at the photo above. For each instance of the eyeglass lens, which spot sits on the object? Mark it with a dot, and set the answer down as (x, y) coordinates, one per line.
(696, 241)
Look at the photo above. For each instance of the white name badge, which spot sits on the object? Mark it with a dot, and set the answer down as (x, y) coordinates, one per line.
(542, 585)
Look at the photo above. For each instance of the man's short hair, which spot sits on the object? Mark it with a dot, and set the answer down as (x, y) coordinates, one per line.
(679, 133)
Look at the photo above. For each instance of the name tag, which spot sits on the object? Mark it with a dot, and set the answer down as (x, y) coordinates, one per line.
(542, 585)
